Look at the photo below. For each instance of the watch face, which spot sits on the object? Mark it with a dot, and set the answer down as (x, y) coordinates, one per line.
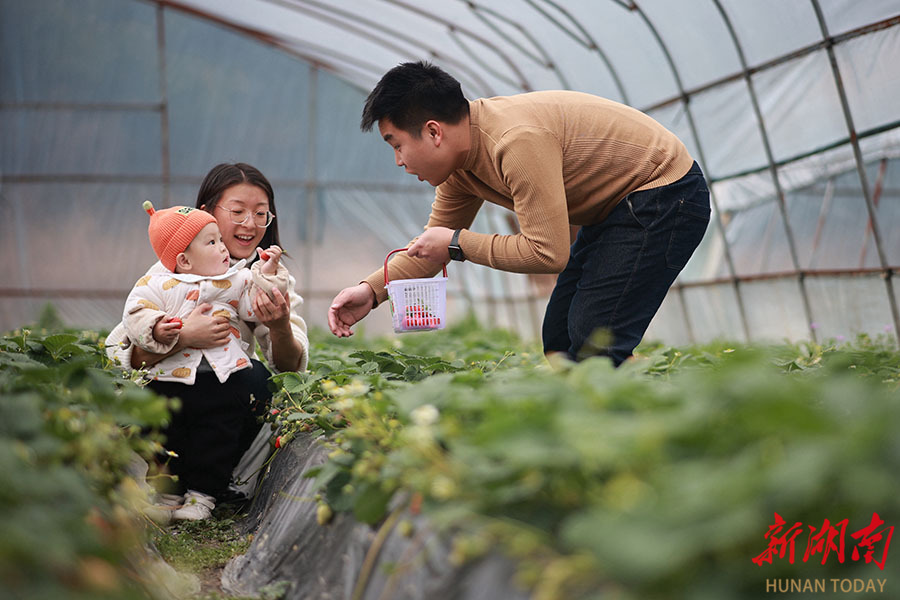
(455, 253)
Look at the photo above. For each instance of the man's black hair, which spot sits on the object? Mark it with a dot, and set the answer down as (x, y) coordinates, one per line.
(411, 94)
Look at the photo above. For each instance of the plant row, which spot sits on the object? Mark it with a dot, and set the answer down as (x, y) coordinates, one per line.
(70, 427)
(659, 479)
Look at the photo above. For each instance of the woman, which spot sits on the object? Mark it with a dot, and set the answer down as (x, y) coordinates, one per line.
(217, 428)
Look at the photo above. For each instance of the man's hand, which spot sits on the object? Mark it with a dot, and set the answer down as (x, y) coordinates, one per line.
(202, 330)
(349, 307)
(432, 245)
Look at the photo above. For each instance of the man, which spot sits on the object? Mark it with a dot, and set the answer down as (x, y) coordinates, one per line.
(555, 158)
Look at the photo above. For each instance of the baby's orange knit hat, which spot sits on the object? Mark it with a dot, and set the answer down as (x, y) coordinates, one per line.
(173, 229)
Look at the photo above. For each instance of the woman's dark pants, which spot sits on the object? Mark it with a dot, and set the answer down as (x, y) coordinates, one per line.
(216, 424)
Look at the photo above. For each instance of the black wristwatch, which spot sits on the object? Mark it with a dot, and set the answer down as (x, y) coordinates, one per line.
(456, 252)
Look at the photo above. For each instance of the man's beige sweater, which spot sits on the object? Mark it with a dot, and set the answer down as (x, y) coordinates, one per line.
(554, 158)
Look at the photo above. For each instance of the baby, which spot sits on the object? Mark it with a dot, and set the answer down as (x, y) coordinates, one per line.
(188, 244)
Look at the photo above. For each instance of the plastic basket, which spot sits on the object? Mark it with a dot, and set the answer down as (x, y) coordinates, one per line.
(416, 304)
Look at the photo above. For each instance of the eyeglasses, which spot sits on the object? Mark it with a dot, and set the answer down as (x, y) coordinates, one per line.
(240, 216)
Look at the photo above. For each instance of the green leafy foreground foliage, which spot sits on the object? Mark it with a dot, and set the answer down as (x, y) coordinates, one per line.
(656, 480)
(69, 426)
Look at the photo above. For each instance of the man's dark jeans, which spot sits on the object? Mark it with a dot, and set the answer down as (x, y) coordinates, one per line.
(620, 270)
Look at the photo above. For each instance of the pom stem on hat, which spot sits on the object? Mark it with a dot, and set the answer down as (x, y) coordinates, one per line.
(148, 206)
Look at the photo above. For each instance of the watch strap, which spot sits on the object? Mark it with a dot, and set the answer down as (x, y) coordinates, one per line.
(456, 252)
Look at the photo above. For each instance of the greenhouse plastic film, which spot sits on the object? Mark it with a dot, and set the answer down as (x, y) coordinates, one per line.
(311, 561)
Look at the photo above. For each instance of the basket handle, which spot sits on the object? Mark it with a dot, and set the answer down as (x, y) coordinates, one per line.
(444, 266)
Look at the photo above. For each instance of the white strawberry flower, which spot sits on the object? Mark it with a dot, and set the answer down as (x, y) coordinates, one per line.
(425, 415)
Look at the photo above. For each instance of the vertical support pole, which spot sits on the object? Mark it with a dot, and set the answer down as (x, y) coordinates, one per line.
(887, 272)
(702, 159)
(163, 104)
(779, 191)
(310, 188)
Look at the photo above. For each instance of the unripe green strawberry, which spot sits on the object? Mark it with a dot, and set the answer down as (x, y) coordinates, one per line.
(323, 514)
(405, 528)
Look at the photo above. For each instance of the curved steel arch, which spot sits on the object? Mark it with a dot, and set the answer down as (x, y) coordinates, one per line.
(545, 60)
(524, 84)
(351, 21)
(288, 45)
(588, 42)
(473, 55)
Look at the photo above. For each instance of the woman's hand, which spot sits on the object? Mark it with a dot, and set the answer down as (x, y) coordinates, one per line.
(274, 312)
(201, 330)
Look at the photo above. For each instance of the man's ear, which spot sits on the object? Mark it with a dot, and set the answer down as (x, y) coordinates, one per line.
(434, 131)
(183, 263)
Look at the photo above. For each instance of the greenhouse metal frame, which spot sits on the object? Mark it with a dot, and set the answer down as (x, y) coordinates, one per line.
(799, 141)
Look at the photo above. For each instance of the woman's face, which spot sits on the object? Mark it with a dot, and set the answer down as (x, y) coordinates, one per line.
(241, 239)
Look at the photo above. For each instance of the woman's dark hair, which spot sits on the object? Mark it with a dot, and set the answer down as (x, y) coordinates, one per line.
(412, 93)
(223, 176)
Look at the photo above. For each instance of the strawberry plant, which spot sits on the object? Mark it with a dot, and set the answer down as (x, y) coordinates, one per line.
(655, 480)
(69, 427)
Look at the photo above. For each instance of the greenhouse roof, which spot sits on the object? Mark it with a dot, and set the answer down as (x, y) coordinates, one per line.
(717, 72)
(644, 53)
(789, 107)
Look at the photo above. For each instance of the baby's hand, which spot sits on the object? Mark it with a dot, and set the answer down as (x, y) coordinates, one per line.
(166, 330)
(270, 257)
